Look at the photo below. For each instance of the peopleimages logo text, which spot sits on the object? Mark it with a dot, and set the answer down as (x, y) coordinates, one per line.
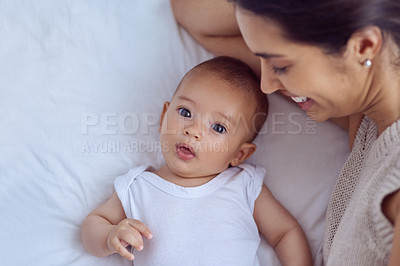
(128, 123)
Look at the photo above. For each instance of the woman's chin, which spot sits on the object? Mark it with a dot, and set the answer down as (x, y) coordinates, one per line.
(318, 117)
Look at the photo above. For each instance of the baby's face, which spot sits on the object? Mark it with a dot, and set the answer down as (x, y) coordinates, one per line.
(204, 126)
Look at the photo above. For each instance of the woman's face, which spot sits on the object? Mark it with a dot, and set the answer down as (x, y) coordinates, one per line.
(323, 85)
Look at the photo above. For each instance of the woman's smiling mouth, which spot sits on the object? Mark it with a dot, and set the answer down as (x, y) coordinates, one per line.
(299, 99)
(305, 103)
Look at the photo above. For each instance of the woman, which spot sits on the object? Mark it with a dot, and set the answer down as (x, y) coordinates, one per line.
(335, 59)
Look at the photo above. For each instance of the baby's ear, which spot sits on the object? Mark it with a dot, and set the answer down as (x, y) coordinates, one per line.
(245, 151)
(164, 111)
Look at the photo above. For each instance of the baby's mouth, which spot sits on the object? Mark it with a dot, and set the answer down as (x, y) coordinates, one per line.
(184, 151)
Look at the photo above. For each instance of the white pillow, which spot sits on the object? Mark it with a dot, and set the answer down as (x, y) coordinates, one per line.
(82, 85)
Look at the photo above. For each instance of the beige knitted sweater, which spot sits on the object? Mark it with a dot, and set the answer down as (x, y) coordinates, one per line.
(356, 231)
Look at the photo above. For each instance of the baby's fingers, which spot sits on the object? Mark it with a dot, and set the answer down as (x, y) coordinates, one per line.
(117, 245)
(131, 237)
(141, 227)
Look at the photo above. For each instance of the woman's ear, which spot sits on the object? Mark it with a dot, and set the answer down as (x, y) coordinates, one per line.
(164, 111)
(244, 152)
(366, 43)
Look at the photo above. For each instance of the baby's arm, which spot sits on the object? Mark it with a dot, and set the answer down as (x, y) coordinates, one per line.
(281, 230)
(106, 230)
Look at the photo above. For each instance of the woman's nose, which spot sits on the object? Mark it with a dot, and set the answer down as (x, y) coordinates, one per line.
(269, 82)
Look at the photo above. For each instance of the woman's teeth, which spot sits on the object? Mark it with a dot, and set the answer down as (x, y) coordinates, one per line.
(299, 99)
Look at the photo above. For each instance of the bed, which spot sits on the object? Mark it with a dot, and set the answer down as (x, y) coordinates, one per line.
(82, 83)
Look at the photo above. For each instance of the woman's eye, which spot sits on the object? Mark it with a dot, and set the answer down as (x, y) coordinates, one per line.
(184, 112)
(219, 128)
(279, 70)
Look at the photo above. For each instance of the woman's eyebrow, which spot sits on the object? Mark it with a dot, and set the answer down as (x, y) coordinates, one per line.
(266, 56)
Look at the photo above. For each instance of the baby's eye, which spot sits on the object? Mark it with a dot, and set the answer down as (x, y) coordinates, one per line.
(219, 128)
(184, 112)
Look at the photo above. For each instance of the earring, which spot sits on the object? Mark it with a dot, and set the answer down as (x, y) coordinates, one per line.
(367, 63)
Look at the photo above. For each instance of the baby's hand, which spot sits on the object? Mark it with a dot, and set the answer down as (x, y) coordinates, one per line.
(127, 232)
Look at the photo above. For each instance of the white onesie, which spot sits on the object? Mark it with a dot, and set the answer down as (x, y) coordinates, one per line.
(211, 224)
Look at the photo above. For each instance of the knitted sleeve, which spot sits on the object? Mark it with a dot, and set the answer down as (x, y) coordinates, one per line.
(380, 226)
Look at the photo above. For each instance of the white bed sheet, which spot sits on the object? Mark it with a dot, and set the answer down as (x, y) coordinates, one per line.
(82, 84)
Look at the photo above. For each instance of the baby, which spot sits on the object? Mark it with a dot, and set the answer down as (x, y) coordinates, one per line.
(203, 206)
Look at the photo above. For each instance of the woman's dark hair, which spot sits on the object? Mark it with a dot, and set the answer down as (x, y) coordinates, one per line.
(328, 24)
